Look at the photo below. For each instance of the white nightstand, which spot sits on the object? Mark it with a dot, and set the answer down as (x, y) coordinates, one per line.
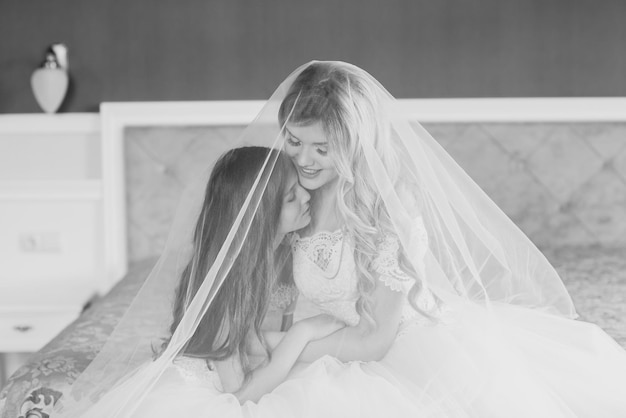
(51, 240)
(31, 316)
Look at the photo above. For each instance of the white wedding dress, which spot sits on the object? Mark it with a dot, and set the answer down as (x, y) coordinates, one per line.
(504, 362)
(507, 362)
(326, 388)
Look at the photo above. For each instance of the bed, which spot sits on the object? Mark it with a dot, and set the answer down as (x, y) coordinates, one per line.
(580, 224)
(595, 276)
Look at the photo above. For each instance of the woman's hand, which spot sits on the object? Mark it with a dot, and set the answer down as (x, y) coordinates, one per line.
(319, 326)
(290, 346)
(363, 342)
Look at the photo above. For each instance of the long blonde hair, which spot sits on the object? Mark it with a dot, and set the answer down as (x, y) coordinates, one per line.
(342, 97)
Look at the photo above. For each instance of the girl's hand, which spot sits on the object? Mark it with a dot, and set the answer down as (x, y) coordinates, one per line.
(319, 326)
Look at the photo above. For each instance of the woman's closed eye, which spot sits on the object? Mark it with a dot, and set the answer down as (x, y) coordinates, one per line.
(322, 150)
(292, 141)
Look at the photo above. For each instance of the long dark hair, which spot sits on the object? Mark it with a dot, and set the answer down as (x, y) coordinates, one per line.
(241, 302)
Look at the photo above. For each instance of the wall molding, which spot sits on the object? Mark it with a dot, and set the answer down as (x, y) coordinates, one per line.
(57, 123)
(524, 110)
(51, 190)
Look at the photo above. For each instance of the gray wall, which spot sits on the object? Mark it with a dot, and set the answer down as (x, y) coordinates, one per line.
(237, 49)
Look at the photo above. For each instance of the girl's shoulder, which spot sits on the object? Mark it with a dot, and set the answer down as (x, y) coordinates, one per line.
(198, 371)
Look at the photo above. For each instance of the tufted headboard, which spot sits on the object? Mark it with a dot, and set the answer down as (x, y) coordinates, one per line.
(557, 167)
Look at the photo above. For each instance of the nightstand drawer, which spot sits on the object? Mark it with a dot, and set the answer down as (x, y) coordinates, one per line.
(29, 331)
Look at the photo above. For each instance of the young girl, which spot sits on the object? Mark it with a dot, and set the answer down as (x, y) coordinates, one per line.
(241, 302)
(212, 374)
(442, 295)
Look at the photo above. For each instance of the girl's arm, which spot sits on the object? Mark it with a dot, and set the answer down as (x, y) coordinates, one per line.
(272, 336)
(363, 342)
(266, 377)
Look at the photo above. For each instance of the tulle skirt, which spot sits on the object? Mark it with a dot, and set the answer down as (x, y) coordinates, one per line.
(510, 362)
(504, 362)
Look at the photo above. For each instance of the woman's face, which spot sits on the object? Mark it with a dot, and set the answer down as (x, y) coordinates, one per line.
(308, 148)
(294, 214)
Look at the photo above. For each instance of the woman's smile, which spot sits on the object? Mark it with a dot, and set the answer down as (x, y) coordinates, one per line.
(308, 172)
(307, 145)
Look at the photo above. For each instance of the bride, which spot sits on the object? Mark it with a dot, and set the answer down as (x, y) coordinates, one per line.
(449, 309)
(436, 285)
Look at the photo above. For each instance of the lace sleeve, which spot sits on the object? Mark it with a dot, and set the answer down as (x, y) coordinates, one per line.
(386, 265)
(386, 261)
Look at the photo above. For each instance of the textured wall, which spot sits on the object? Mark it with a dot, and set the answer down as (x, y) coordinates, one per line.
(563, 184)
(240, 49)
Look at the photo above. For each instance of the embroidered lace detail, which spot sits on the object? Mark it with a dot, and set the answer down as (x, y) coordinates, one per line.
(325, 274)
(323, 249)
(282, 296)
(198, 371)
(386, 261)
(386, 265)
(338, 296)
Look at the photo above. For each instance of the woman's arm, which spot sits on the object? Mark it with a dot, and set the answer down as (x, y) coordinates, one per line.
(266, 377)
(362, 342)
(272, 336)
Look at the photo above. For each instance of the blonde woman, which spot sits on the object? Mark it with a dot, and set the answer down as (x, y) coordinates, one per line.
(442, 295)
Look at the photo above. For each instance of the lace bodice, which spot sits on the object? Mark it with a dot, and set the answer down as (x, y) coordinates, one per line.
(325, 273)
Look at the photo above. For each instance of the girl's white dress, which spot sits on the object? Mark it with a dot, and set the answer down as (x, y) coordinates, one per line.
(506, 362)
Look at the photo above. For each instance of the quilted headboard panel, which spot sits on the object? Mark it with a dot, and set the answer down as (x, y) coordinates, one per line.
(160, 162)
(563, 184)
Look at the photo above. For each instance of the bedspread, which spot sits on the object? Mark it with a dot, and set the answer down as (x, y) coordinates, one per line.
(595, 277)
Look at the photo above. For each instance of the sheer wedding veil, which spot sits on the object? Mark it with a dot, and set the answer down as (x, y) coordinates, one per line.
(473, 251)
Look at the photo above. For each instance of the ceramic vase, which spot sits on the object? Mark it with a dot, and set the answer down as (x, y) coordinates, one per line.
(49, 87)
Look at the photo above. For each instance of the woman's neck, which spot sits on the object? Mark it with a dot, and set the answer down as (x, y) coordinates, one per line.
(324, 213)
